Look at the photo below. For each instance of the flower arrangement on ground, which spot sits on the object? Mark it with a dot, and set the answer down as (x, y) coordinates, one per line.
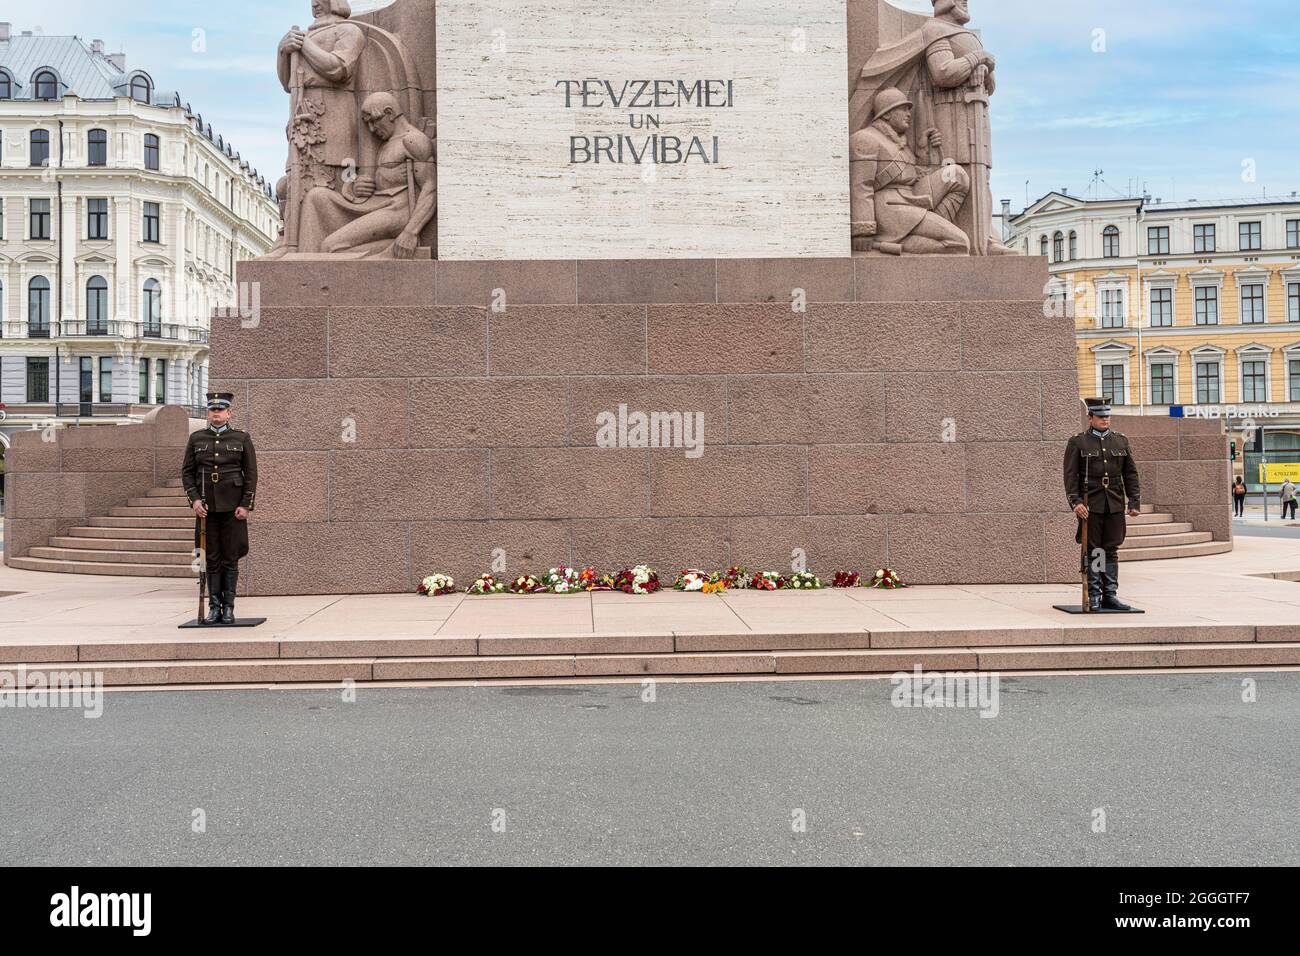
(846, 579)
(691, 580)
(526, 584)
(887, 578)
(734, 578)
(562, 580)
(486, 584)
(638, 580)
(804, 581)
(436, 584)
(767, 581)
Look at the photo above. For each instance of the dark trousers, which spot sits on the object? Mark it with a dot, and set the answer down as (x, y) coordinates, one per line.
(227, 541)
(1106, 530)
(1239, 506)
(1291, 505)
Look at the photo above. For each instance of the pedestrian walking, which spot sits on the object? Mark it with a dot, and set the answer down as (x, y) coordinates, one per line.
(1238, 498)
(1288, 496)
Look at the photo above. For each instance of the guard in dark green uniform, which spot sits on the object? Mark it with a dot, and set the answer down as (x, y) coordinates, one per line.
(1100, 478)
(220, 478)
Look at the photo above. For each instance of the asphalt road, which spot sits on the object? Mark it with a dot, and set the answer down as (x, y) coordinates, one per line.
(1184, 771)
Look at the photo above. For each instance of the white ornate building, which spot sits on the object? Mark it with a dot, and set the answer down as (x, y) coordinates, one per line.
(122, 215)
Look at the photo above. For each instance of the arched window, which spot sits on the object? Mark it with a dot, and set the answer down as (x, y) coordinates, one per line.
(97, 306)
(38, 308)
(140, 89)
(40, 147)
(97, 148)
(152, 309)
(1042, 246)
(151, 151)
(6, 86)
(47, 87)
(1110, 242)
(1074, 244)
(1058, 247)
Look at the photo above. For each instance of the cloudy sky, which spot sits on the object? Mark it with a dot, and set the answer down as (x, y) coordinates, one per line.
(1195, 99)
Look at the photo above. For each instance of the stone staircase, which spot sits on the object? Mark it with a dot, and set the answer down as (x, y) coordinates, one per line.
(1154, 536)
(152, 536)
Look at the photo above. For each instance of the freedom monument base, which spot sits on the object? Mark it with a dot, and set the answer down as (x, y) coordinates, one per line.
(855, 413)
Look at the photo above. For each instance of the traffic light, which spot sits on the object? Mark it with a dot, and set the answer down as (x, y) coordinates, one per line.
(1234, 451)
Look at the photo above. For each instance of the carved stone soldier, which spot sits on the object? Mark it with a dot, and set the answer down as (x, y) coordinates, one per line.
(897, 206)
(1101, 482)
(220, 478)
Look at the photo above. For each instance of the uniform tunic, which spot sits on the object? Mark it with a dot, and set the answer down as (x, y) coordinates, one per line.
(221, 468)
(1100, 472)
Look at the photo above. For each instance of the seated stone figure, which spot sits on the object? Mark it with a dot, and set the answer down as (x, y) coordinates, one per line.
(897, 205)
(380, 215)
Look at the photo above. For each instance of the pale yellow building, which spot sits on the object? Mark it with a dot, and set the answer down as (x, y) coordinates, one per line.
(1188, 308)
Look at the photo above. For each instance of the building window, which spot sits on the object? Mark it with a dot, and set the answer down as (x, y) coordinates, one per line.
(144, 381)
(1252, 304)
(1058, 248)
(97, 306)
(160, 384)
(1112, 308)
(1162, 383)
(1074, 245)
(152, 229)
(1207, 383)
(1203, 238)
(140, 89)
(1042, 246)
(1250, 236)
(1112, 384)
(96, 218)
(1293, 233)
(1110, 242)
(40, 147)
(1293, 302)
(105, 378)
(152, 305)
(1162, 307)
(151, 151)
(47, 87)
(97, 148)
(39, 219)
(38, 308)
(38, 379)
(1294, 367)
(1207, 305)
(1157, 240)
(87, 382)
(1254, 381)
(6, 86)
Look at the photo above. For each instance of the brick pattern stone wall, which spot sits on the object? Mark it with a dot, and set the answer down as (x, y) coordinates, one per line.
(1184, 468)
(84, 471)
(474, 430)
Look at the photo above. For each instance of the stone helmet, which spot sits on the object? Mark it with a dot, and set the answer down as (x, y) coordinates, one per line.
(886, 101)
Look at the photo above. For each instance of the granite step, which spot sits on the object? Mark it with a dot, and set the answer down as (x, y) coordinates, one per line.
(269, 671)
(135, 534)
(112, 555)
(1180, 551)
(1150, 517)
(1167, 540)
(115, 521)
(163, 511)
(159, 501)
(101, 567)
(1150, 530)
(167, 545)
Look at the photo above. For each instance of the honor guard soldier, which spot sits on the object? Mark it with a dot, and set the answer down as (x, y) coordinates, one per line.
(1101, 479)
(220, 478)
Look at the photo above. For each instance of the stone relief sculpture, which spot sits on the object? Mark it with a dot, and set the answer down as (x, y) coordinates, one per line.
(361, 179)
(920, 153)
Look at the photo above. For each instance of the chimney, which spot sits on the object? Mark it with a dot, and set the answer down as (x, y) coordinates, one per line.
(118, 60)
(4, 30)
(97, 46)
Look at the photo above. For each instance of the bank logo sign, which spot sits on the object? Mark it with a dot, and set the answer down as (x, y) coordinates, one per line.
(681, 128)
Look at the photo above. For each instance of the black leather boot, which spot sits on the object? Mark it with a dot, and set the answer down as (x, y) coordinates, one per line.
(1110, 582)
(229, 579)
(1095, 589)
(214, 598)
